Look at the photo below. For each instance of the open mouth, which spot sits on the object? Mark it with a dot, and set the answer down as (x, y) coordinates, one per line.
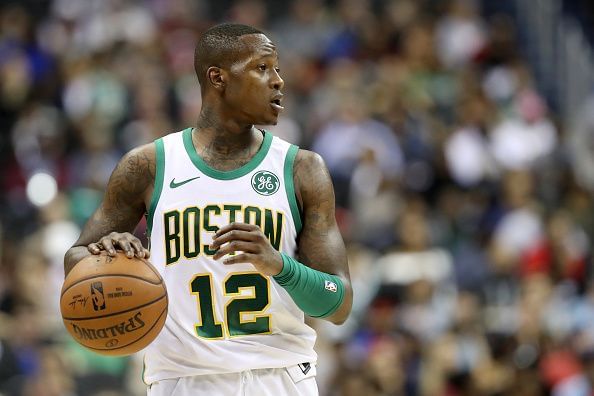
(276, 104)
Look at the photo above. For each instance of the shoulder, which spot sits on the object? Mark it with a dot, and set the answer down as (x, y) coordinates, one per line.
(311, 175)
(309, 164)
(308, 159)
(141, 158)
(148, 149)
(136, 169)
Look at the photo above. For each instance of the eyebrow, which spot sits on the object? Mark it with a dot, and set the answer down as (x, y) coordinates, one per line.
(265, 55)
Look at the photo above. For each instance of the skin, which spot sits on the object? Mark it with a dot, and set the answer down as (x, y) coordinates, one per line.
(235, 99)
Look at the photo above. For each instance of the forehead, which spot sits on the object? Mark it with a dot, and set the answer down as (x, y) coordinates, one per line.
(254, 46)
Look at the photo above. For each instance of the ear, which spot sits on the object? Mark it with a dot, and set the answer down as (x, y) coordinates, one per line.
(216, 77)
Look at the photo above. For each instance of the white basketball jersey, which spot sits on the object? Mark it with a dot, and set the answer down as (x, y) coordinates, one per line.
(222, 318)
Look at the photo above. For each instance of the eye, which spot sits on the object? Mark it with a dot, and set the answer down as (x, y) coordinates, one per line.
(262, 67)
(277, 69)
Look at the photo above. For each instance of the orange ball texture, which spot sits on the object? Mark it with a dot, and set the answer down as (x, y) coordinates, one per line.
(114, 305)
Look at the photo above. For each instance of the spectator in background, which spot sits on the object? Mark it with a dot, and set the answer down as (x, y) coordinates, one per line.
(460, 34)
(421, 275)
(580, 144)
(520, 227)
(359, 135)
(466, 150)
(304, 31)
(527, 140)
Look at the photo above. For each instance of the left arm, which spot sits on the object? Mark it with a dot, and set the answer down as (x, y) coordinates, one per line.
(321, 249)
(320, 243)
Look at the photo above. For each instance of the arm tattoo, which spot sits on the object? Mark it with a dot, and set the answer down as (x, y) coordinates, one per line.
(320, 242)
(124, 201)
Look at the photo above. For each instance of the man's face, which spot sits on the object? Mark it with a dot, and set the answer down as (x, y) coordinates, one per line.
(253, 90)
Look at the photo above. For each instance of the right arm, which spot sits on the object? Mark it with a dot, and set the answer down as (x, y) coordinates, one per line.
(124, 203)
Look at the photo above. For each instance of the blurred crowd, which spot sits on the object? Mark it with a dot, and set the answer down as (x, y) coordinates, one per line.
(465, 204)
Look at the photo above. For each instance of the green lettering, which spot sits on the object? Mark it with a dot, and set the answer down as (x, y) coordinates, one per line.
(255, 304)
(191, 217)
(172, 240)
(273, 233)
(252, 215)
(208, 327)
(208, 227)
(232, 209)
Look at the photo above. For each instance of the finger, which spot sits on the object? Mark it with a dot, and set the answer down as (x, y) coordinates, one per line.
(233, 235)
(94, 248)
(147, 253)
(233, 247)
(126, 247)
(236, 226)
(240, 258)
(108, 246)
(138, 248)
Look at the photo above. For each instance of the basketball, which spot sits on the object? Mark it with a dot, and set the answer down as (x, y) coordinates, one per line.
(113, 305)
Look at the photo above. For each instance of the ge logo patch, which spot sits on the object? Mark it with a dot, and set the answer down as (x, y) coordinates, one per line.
(265, 182)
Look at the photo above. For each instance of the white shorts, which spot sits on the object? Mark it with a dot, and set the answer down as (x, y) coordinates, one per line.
(299, 380)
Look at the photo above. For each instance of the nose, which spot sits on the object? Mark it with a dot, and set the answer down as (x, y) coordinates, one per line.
(276, 81)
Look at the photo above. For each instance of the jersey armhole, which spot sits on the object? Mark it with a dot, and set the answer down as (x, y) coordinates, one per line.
(159, 175)
(290, 187)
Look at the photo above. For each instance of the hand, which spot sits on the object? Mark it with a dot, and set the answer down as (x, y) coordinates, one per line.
(254, 246)
(125, 241)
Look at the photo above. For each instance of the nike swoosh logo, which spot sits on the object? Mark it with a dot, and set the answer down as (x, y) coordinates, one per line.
(173, 184)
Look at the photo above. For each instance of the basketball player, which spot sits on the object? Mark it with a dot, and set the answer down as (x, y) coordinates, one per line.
(242, 229)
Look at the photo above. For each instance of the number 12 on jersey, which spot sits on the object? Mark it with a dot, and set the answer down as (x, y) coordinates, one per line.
(239, 305)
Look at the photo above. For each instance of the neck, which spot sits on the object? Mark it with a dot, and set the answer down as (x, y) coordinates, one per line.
(222, 136)
(217, 136)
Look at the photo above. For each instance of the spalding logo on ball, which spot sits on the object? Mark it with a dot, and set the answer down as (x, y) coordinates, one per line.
(114, 305)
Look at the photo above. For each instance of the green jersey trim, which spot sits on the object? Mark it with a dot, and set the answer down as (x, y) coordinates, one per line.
(290, 186)
(159, 175)
(226, 175)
